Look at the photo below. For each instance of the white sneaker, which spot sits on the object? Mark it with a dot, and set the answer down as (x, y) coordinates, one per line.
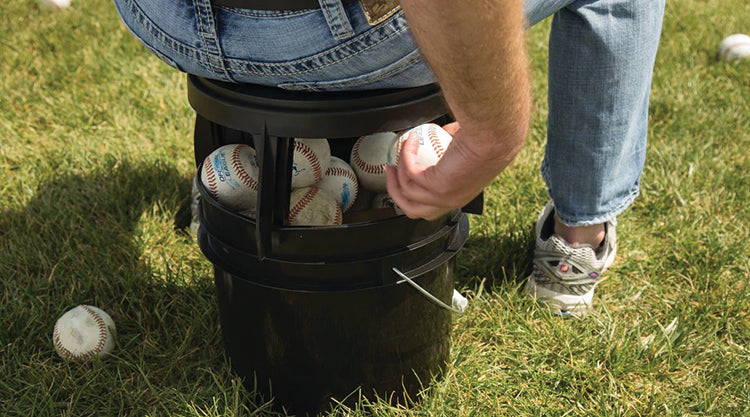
(565, 275)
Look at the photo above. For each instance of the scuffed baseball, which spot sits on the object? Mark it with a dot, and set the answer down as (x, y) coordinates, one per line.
(310, 161)
(369, 157)
(84, 332)
(433, 141)
(230, 174)
(735, 47)
(310, 206)
(341, 182)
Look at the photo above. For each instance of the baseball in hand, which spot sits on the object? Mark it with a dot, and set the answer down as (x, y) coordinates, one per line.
(341, 182)
(84, 332)
(230, 174)
(433, 141)
(310, 206)
(55, 4)
(311, 159)
(735, 47)
(369, 157)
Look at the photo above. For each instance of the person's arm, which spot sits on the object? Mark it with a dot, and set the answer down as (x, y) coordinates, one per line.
(477, 51)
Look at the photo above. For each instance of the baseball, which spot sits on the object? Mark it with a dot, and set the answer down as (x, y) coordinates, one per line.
(341, 182)
(230, 174)
(735, 47)
(310, 161)
(433, 141)
(55, 4)
(310, 206)
(84, 332)
(369, 157)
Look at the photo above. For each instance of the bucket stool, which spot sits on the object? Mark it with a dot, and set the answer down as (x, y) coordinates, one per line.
(309, 315)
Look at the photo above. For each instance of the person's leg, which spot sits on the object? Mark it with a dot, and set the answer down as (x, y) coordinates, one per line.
(601, 60)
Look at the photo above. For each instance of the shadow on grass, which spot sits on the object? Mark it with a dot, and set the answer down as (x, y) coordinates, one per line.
(495, 260)
(80, 240)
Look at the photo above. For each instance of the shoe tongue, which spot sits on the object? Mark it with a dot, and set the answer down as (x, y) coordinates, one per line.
(583, 253)
(564, 242)
(571, 254)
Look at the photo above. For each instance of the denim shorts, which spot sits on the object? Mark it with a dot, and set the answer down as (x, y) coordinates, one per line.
(325, 49)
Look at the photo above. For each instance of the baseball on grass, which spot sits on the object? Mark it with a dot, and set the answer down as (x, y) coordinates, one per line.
(369, 157)
(341, 182)
(84, 332)
(230, 174)
(310, 206)
(433, 141)
(55, 4)
(310, 161)
(735, 47)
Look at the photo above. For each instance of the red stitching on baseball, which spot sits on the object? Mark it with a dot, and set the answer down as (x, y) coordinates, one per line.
(58, 343)
(102, 329)
(732, 46)
(432, 134)
(208, 169)
(303, 202)
(342, 172)
(240, 170)
(310, 156)
(364, 166)
(338, 219)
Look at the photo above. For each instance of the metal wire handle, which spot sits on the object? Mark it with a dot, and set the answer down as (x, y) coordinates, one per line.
(425, 292)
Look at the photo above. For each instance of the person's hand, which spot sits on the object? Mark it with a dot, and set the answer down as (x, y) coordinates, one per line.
(429, 192)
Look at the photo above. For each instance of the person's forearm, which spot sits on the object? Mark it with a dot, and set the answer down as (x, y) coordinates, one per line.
(477, 51)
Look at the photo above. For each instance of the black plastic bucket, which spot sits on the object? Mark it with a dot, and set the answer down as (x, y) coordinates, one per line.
(311, 314)
(308, 347)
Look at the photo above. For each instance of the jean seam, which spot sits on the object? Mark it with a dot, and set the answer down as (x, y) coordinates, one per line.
(164, 39)
(610, 213)
(335, 16)
(623, 203)
(308, 59)
(207, 28)
(313, 86)
(272, 14)
(201, 31)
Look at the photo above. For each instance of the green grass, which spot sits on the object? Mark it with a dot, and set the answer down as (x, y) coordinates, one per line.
(95, 164)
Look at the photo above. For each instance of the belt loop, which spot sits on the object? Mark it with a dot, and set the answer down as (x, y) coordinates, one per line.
(337, 19)
(210, 39)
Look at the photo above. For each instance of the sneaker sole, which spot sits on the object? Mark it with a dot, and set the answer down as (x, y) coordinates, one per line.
(561, 304)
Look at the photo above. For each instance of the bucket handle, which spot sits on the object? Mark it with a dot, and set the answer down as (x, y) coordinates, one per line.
(424, 292)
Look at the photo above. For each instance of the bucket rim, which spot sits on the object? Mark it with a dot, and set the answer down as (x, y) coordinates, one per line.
(459, 239)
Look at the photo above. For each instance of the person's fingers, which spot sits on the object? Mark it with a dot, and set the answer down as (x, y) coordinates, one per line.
(412, 209)
(391, 181)
(452, 128)
(412, 175)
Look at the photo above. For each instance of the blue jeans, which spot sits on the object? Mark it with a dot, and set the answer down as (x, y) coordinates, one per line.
(601, 57)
